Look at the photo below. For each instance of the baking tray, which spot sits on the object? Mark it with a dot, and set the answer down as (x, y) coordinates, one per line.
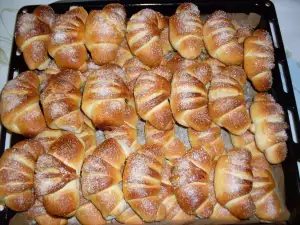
(282, 89)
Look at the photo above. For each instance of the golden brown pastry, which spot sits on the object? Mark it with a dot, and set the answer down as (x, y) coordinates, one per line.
(151, 92)
(220, 39)
(165, 40)
(189, 96)
(143, 35)
(215, 65)
(88, 136)
(46, 14)
(67, 39)
(173, 148)
(186, 31)
(20, 109)
(17, 173)
(142, 182)
(101, 176)
(269, 127)
(259, 59)
(48, 137)
(133, 69)
(57, 173)
(173, 210)
(127, 132)
(191, 181)
(104, 97)
(61, 100)
(32, 36)
(263, 192)
(227, 105)
(233, 183)
(174, 62)
(210, 139)
(104, 32)
(38, 213)
(243, 32)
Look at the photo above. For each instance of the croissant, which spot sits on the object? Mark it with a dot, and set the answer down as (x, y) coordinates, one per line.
(191, 181)
(61, 100)
(215, 65)
(259, 59)
(189, 97)
(173, 210)
(233, 183)
(142, 182)
(88, 214)
(123, 54)
(227, 106)
(151, 92)
(67, 39)
(103, 170)
(143, 35)
(269, 127)
(104, 32)
(38, 213)
(128, 216)
(104, 97)
(220, 39)
(88, 136)
(32, 36)
(20, 110)
(237, 73)
(46, 14)
(263, 192)
(133, 69)
(165, 41)
(210, 139)
(243, 32)
(56, 179)
(127, 132)
(48, 137)
(173, 148)
(186, 31)
(16, 174)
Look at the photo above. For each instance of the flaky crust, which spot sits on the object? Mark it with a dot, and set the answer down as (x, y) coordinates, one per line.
(189, 97)
(233, 183)
(269, 127)
(141, 192)
(186, 31)
(61, 100)
(66, 43)
(104, 97)
(104, 32)
(17, 174)
(20, 109)
(259, 59)
(145, 42)
(220, 39)
(151, 92)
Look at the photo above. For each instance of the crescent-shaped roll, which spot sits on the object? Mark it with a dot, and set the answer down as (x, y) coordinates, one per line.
(189, 96)
(263, 193)
(67, 39)
(259, 59)
(227, 105)
(142, 182)
(269, 127)
(220, 39)
(32, 37)
(56, 179)
(186, 31)
(123, 54)
(20, 109)
(191, 181)
(104, 97)
(233, 183)
(48, 137)
(152, 90)
(61, 99)
(143, 35)
(17, 174)
(104, 32)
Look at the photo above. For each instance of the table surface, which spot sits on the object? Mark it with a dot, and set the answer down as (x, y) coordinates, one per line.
(289, 29)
